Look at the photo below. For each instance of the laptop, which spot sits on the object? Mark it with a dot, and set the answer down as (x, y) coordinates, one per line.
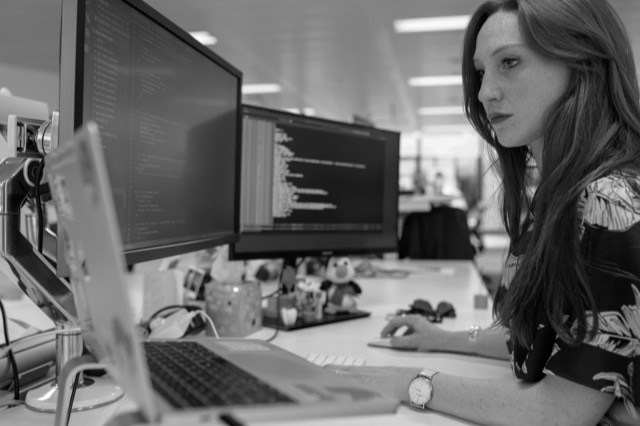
(88, 225)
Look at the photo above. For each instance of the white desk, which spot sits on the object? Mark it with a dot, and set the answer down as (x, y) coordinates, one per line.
(425, 202)
(452, 281)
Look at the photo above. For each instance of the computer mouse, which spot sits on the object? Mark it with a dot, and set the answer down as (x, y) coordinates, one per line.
(385, 342)
(401, 331)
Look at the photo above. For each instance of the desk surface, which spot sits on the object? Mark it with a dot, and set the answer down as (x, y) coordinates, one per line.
(425, 202)
(453, 281)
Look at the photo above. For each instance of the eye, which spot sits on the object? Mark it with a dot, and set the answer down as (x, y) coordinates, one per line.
(508, 63)
(480, 74)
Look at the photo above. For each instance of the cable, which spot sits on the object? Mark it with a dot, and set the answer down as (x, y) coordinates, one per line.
(10, 404)
(166, 308)
(39, 174)
(210, 321)
(72, 397)
(275, 333)
(12, 359)
(273, 336)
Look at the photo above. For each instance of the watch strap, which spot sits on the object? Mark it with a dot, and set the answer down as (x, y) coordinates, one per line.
(428, 374)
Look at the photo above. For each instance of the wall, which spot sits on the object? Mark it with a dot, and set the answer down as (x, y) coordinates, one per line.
(31, 84)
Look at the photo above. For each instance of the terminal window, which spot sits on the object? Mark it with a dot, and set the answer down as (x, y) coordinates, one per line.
(304, 176)
(159, 104)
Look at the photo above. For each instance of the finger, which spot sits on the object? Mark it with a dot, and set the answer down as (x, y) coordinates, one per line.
(416, 322)
(403, 342)
(396, 323)
(389, 329)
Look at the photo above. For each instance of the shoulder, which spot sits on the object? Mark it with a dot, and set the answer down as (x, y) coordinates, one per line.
(611, 202)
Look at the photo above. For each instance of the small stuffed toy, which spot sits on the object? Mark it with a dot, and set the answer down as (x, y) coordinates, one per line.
(340, 287)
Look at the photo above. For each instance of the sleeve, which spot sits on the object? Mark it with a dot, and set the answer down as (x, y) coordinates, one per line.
(610, 361)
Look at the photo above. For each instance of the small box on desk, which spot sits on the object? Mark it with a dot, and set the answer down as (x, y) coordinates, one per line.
(235, 308)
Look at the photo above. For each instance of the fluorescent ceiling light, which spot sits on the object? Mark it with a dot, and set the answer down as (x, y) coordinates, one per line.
(436, 81)
(254, 89)
(204, 37)
(445, 110)
(437, 23)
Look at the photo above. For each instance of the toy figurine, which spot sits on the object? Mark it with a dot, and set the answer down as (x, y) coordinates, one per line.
(310, 299)
(340, 287)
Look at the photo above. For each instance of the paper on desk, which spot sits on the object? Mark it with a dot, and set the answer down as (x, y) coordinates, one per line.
(429, 270)
(371, 420)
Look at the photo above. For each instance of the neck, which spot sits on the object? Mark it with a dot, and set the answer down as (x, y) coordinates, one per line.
(536, 153)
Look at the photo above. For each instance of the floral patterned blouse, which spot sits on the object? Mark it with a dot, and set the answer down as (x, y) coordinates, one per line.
(610, 362)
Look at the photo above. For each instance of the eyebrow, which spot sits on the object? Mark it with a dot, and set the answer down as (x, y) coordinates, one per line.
(500, 49)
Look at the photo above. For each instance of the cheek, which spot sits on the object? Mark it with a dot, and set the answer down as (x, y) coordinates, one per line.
(520, 132)
(539, 98)
(551, 88)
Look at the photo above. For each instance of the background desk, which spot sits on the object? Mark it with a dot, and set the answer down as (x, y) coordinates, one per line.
(453, 281)
(425, 202)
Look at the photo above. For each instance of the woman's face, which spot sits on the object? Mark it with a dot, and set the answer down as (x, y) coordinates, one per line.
(518, 85)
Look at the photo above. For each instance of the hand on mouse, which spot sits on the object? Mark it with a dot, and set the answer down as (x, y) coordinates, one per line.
(420, 334)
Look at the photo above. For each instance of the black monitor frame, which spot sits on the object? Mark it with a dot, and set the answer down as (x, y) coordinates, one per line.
(297, 244)
(71, 114)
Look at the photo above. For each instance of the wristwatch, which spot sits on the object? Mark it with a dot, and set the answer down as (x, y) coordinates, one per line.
(421, 389)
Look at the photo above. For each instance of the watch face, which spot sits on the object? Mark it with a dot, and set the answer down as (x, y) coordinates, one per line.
(420, 391)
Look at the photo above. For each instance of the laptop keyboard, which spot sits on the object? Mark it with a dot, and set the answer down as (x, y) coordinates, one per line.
(189, 375)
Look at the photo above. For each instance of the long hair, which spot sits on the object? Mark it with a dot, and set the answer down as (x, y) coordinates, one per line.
(593, 129)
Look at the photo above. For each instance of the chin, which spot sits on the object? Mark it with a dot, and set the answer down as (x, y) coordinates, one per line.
(510, 142)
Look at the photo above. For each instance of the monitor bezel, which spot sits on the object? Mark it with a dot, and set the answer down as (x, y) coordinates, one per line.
(390, 244)
(70, 105)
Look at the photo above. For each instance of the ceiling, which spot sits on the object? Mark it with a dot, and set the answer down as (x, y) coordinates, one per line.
(340, 57)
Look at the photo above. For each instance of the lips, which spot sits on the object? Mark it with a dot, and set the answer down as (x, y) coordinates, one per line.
(499, 118)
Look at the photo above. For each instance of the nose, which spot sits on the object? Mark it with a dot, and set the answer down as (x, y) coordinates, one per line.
(490, 90)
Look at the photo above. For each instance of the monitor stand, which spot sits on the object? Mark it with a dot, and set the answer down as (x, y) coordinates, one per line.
(284, 311)
(35, 276)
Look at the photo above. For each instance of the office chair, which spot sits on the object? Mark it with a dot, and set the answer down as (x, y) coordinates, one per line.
(441, 233)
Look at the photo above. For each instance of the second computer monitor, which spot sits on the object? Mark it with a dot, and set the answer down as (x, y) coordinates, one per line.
(315, 187)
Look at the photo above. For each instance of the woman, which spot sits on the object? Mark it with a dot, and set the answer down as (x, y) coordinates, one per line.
(550, 83)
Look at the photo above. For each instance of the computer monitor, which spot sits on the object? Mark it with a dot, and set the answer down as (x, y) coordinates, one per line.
(168, 110)
(315, 187)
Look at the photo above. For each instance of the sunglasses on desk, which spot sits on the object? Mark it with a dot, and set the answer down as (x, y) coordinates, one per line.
(424, 308)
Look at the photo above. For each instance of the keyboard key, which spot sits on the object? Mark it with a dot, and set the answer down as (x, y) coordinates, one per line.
(359, 362)
(324, 359)
(331, 359)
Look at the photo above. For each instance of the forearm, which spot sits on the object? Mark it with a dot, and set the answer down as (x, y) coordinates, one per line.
(488, 343)
(510, 402)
